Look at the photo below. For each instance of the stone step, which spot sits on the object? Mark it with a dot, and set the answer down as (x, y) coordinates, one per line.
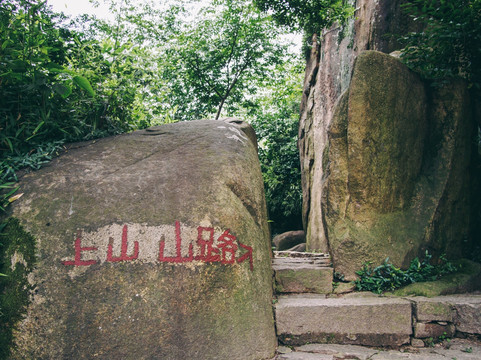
(305, 255)
(459, 349)
(360, 320)
(302, 273)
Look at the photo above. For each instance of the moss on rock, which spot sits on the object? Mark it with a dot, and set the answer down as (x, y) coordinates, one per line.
(397, 177)
(184, 207)
(17, 258)
(467, 279)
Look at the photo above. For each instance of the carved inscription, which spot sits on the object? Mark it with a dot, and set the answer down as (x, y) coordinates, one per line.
(210, 246)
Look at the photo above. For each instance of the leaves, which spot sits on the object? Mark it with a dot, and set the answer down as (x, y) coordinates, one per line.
(63, 90)
(275, 117)
(386, 277)
(15, 198)
(84, 84)
(310, 16)
(447, 44)
(221, 57)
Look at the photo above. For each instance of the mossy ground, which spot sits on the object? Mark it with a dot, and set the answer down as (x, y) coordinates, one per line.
(465, 280)
(15, 289)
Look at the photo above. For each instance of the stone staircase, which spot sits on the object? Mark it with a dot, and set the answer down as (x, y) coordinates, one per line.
(300, 272)
(308, 312)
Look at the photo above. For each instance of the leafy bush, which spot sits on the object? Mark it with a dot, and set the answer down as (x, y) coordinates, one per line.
(386, 277)
(448, 44)
(275, 117)
(309, 16)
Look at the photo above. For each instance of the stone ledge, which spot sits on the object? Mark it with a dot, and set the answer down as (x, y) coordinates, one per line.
(301, 276)
(452, 313)
(366, 320)
(459, 349)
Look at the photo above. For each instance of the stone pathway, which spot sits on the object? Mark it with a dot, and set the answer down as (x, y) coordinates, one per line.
(364, 326)
(456, 349)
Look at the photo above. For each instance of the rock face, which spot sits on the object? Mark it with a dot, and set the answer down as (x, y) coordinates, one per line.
(152, 245)
(310, 274)
(385, 158)
(447, 312)
(390, 167)
(328, 75)
(289, 239)
(397, 167)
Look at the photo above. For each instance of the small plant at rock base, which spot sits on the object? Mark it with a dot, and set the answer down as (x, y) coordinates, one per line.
(429, 342)
(338, 277)
(444, 337)
(387, 277)
(468, 350)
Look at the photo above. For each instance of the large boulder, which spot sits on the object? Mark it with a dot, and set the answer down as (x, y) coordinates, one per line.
(151, 245)
(289, 239)
(376, 25)
(397, 167)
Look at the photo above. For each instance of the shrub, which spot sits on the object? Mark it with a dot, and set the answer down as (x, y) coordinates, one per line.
(386, 277)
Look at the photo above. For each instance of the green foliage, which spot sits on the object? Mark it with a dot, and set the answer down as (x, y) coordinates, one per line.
(220, 58)
(70, 84)
(14, 286)
(311, 16)
(34, 77)
(62, 84)
(386, 277)
(275, 117)
(448, 44)
(32, 160)
(7, 189)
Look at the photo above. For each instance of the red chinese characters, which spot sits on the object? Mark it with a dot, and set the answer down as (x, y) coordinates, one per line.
(78, 253)
(224, 249)
(208, 253)
(178, 248)
(123, 250)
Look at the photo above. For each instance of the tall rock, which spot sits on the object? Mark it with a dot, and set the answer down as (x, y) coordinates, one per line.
(397, 177)
(328, 75)
(365, 152)
(151, 245)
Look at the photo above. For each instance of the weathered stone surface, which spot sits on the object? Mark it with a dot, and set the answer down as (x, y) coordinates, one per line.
(301, 275)
(433, 330)
(328, 74)
(344, 288)
(370, 320)
(459, 349)
(379, 168)
(431, 354)
(304, 356)
(462, 310)
(150, 245)
(468, 314)
(433, 309)
(339, 351)
(381, 199)
(417, 343)
(298, 248)
(318, 258)
(289, 239)
(284, 350)
(373, 133)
